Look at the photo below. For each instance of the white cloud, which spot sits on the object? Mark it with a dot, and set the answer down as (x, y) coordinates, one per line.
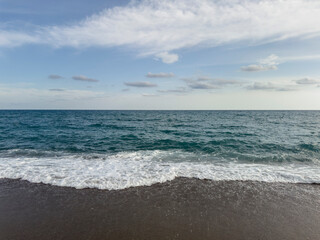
(269, 63)
(205, 82)
(257, 68)
(271, 60)
(149, 95)
(177, 90)
(140, 84)
(21, 98)
(202, 85)
(217, 81)
(300, 58)
(307, 81)
(160, 75)
(261, 86)
(13, 38)
(55, 76)
(57, 90)
(158, 28)
(168, 57)
(268, 86)
(84, 79)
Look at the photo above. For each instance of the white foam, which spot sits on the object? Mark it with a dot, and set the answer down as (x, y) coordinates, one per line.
(127, 169)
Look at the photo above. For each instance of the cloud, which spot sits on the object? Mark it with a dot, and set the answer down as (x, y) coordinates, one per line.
(269, 87)
(307, 81)
(168, 57)
(159, 75)
(160, 28)
(217, 81)
(13, 38)
(150, 95)
(202, 85)
(205, 82)
(269, 63)
(84, 79)
(26, 98)
(301, 58)
(56, 90)
(284, 85)
(261, 86)
(54, 76)
(140, 84)
(178, 90)
(272, 62)
(258, 68)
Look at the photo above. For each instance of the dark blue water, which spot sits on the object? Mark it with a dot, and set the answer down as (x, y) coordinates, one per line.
(277, 139)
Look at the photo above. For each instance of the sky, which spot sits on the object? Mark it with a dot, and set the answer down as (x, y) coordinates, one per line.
(160, 54)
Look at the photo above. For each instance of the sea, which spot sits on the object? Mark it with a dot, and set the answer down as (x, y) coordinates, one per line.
(121, 149)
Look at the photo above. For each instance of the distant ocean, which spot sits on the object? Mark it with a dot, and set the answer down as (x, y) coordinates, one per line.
(121, 149)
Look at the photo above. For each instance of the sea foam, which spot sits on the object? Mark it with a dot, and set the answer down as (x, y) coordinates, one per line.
(130, 169)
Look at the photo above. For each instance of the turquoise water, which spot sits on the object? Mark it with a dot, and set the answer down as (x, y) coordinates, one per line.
(118, 149)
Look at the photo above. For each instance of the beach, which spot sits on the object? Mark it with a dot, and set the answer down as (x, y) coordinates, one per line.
(185, 208)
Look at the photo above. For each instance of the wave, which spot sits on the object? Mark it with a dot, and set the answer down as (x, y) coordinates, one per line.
(130, 169)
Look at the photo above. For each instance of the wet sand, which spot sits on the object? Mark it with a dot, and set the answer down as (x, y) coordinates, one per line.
(180, 209)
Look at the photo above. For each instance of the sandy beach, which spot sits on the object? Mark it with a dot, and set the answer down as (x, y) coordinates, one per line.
(180, 209)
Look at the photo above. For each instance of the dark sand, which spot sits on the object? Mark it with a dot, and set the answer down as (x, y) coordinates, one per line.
(180, 209)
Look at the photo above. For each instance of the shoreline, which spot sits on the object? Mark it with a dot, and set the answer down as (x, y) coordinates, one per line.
(184, 208)
(2, 180)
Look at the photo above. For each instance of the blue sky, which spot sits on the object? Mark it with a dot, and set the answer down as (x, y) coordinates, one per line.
(180, 54)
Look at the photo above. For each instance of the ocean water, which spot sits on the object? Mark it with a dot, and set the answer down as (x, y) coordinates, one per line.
(121, 149)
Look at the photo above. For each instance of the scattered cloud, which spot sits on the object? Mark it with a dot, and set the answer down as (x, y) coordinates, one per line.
(307, 81)
(84, 79)
(261, 86)
(168, 57)
(13, 38)
(257, 68)
(217, 81)
(269, 87)
(140, 84)
(178, 90)
(160, 28)
(271, 60)
(300, 58)
(24, 98)
(150, 95)
(125, 89)
(201, 85)
(205, 82)
(187, 79)
(55, 76)
(159, 75)
(56, 90)
(269, 63)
